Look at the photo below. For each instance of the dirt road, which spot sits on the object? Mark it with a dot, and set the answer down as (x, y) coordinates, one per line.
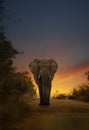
(60, 115)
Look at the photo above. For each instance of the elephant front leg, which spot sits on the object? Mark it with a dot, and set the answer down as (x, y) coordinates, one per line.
(41, 96)
(38, 81)
(48, 91)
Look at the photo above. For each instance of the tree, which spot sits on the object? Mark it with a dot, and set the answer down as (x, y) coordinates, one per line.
(87, 74)
(7, 53)
(10, 80)
(13, 88)
(75, 93)
(13, 85)
(83, 92)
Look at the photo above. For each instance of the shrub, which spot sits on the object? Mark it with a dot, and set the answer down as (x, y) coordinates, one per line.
(14, 87)
(82, 94)
(59, 96)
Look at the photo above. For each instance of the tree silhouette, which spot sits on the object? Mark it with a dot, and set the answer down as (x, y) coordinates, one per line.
(11, 82)
(83, 92)
(87, 74)
(7, 53)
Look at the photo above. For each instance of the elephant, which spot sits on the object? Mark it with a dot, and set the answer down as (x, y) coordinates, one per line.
(43, 71)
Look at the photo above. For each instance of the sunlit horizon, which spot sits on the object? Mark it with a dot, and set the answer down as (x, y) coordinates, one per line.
(64, 83)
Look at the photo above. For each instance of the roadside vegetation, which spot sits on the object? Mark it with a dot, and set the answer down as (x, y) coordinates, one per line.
(81, 93)
(16, 88)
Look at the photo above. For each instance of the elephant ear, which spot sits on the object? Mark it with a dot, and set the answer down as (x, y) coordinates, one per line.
(34, 66)
(53, 67)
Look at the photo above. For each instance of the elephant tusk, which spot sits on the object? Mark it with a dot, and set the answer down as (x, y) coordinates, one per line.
(38, 76)
(50, 76)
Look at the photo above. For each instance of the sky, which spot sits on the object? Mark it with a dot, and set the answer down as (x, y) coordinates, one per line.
(57, 29)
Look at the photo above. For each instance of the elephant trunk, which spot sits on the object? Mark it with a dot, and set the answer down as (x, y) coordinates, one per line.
(46, 88)
(45, 74)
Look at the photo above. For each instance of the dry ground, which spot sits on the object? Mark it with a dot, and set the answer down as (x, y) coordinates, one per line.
(60, 115)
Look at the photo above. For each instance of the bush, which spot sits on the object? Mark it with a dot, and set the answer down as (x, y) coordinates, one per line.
(14, 87)
(59, 96)
(82, 94)
(74, 94)
(13, 108)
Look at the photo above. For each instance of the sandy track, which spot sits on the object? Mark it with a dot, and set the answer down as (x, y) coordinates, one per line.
(60, 115)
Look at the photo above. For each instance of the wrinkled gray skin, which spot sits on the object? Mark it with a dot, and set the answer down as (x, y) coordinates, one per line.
(43, 71)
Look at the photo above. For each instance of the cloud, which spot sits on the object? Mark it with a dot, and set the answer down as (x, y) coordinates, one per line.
(73, 71)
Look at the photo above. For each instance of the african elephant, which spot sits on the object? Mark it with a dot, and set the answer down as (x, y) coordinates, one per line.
(43, 71)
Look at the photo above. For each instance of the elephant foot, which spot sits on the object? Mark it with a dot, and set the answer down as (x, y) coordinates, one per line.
(41, 103)
(44, 104)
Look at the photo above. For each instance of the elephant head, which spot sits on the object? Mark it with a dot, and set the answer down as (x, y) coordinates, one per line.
(43, 71)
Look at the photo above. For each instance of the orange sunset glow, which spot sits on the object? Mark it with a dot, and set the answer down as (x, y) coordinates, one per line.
(65, 80)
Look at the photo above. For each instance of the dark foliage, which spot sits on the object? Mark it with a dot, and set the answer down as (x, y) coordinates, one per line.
(13, 85)
(58, 95)
(82, 93)
(7, 53)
